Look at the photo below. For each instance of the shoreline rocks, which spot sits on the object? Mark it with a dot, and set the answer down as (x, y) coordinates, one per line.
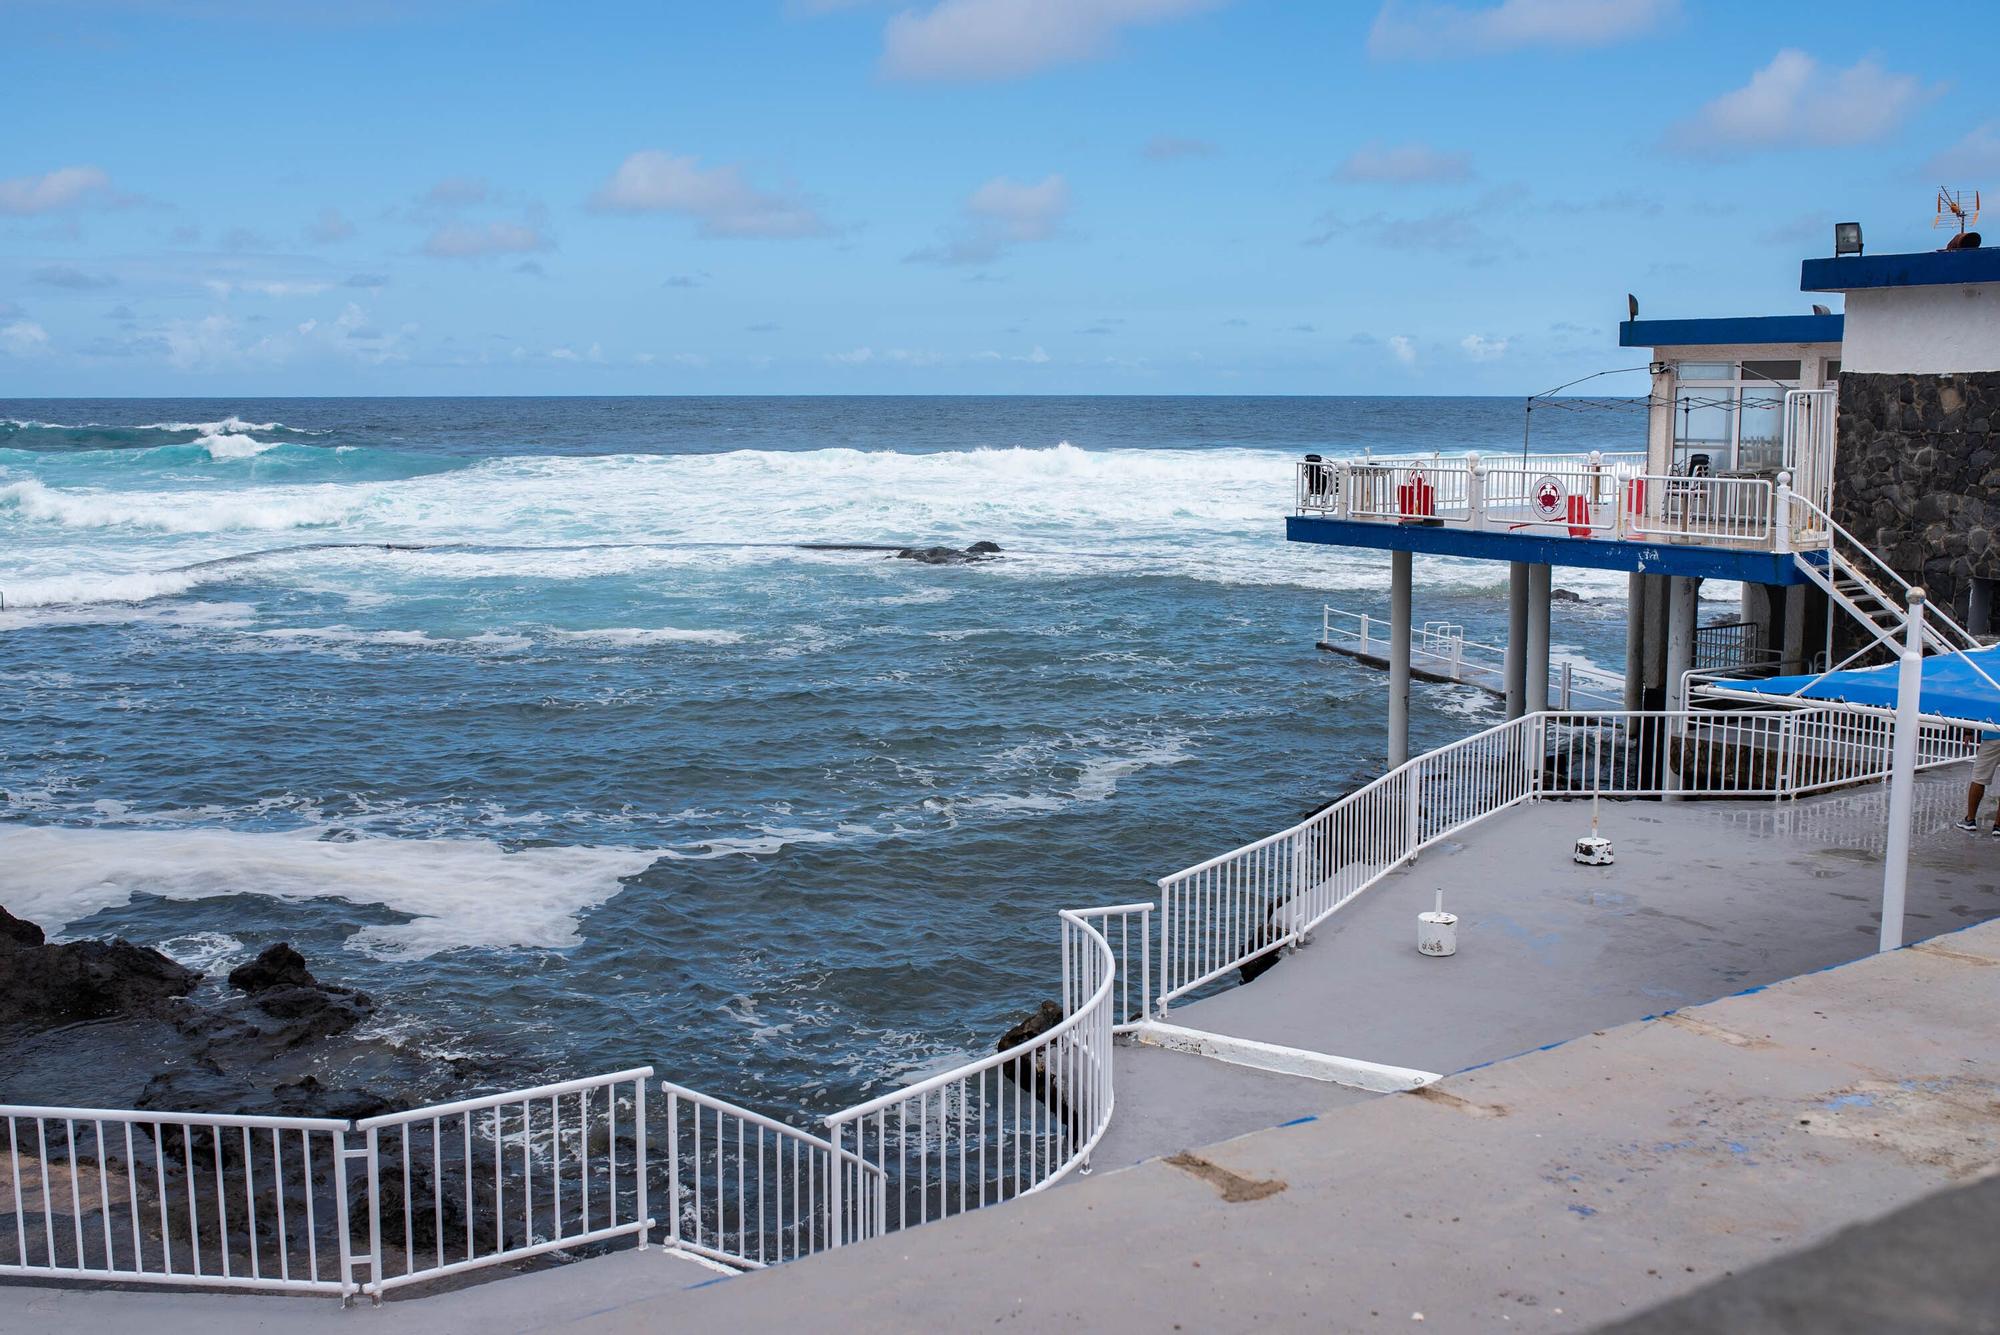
(949, 556)
(43, 984)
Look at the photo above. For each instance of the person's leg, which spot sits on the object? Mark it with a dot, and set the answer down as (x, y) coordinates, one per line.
(1973, 797)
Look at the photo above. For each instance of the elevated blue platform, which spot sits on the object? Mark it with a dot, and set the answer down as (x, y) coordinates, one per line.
(1925, 268)
(1586, 553)
(1736, 329)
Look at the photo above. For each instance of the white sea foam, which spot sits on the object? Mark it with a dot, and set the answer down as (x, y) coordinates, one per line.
(262, 510)
(632, 635)
(236, 446)
(457, 893)
(84, 590)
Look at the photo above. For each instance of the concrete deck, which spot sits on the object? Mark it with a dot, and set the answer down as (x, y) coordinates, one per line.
(1557, 1191)
(1706, 899)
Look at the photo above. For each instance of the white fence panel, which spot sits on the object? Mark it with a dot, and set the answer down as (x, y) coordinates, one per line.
(176, 1198)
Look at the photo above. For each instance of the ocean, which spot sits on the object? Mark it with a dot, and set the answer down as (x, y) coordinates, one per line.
(535, 719)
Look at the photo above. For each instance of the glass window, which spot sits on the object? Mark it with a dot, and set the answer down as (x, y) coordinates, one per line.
(1833, 373)
(1703, 425)
(1760, 435)
(1767, 371)
(1706, 371)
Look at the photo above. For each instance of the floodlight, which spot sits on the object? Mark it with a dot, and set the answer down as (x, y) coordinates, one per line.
(1847, 238)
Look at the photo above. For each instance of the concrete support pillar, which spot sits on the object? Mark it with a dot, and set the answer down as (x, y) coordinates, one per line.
(1517, 638)
(1682, 594)
(1795, 630)
(1635, 640)
(1538, 639)
(1682, 597)
(1399, 658)
(1655, 677)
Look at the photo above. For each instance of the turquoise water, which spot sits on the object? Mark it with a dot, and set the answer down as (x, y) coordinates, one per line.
(531, 717)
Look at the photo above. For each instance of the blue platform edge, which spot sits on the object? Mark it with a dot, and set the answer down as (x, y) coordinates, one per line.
(1641, 558)
(1925, 268)
(1735, 329)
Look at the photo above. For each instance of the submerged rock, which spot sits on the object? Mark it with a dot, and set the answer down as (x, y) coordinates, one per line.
(949, 556)
(42, 984)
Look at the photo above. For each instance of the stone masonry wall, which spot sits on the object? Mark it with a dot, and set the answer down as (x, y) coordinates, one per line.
(1917, 476)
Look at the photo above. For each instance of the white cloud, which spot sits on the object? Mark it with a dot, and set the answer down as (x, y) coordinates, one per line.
(1005, 39)
(329, 227)
(1403, 164)
(465, 240)
(1796, 101)
(63, 188)
(1483, 349)
(1975, 156)
(719, 198)
(456, 192)
(1421, 30)
(852, 357)
(999, 214)
(1403, 349)
(23, 337)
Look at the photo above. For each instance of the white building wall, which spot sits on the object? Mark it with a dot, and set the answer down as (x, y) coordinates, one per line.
(1922, 330)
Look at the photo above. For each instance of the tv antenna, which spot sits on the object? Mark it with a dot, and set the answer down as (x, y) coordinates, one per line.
(1953, 211)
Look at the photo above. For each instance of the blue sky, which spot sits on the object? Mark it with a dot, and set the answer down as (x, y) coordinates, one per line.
(966, 196)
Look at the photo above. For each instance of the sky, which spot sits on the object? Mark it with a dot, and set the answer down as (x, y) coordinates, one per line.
(221, 197)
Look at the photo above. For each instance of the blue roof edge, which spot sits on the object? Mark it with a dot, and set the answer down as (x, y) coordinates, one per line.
(1735, 329)
(1925, 268)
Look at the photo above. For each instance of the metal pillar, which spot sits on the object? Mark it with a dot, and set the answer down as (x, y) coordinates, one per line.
(1517, 638)
(1399, 658)
(1635, 640)
(1903, 774)
(1538, 638)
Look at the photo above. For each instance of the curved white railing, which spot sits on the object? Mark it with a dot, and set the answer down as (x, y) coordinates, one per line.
(1222, 914)
(749, 1191)
(1012, 1123)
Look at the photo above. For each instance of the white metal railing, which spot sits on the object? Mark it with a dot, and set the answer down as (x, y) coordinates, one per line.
(177, 1198)
(1441, 649)
(1221, 914)
(1012, 1123)
(750, 1191)
(1711, 509)
(481, 1181)
(1811, 416)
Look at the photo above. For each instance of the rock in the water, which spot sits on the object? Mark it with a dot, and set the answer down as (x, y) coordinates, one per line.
(41, 984)
(1565, 596)
(275, 966)
(949, 556)
(1040, 1020)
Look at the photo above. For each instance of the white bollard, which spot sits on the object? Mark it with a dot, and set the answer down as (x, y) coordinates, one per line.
(1437, 931)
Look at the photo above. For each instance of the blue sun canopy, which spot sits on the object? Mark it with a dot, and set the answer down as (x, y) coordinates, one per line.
(1952, 687)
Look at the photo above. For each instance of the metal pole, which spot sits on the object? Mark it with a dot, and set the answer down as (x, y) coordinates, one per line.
(1903, 773)
(1682, 602)
(1635, 640)
(1399, 658)
(1517, 638)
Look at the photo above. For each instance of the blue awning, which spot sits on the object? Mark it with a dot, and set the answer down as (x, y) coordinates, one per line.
(1952, 688)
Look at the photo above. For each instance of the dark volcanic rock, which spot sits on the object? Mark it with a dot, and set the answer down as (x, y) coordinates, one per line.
(1039, 1021)
(1031, 1071)
(1565, 596)
(18, 931)
(41, 984)
(277, 966)
(208, 1087)
(949, 556)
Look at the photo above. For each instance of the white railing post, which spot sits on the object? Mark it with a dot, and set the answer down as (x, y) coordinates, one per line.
(1475, 491)
(674, 1168)
(836, 1228)
(1903, 773)
(373, 1160)
(1413, 819)
(1781, 518)
(640, 1162)
(1364, 632)
(1343, 504)
(345, 1241)
(1562, 688)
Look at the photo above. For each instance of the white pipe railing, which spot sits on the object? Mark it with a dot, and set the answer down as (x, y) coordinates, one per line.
(1221, 914)
(1440, 648)
(1009, 1124)
(507, 1176)
(177, 1198)
(750, 1191)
